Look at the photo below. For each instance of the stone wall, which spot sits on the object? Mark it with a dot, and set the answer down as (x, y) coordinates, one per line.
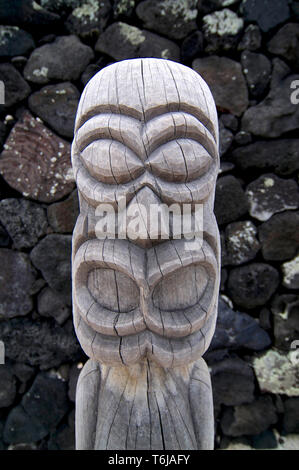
(248, 52)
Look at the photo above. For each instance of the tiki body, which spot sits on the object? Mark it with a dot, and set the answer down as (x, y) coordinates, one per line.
(145, 308)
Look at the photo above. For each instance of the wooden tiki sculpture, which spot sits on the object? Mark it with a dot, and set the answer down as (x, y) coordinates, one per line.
(145, 308)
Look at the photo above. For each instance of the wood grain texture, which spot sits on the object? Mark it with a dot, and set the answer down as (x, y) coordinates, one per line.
(145, 307)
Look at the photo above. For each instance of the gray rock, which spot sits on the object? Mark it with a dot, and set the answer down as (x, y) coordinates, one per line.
(267, 14)
(16, 89)
(257, 70)
(226, 137)
(172, 18)
(241, 244)
(17, 284)
(226, 80)
(8, 386)
(252, 285)
(123, 8)
(55, 62)
(39, 343)
(26, 13)
(64, 437)
(90, 71)
(276, 114)
(229, 121)
(50, 304)
(122, 41)
(206, 6)
(243, 138)
(4, 237)
(249, 419)
(226, 167)
(285, 44)
(230, 200)
(57, 106)
(24, 221)
(286, 320)
(89, 19)
(252, 39)
(222, 30)
(52, 256)
(270, 194)
(60, 6)
(290, 271)
(62, 215)
(281, 156)
(279, 236)
(265, 441)
(15, 41)
(192, 46)
(291, 415)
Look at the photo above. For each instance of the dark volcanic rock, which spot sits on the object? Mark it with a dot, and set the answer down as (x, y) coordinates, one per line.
(89, 19)
(37, 162)
(52, 256)
(64, 437)
(285, 44)
(39, 343)
(63, 59)
(62, 215)
(222, 30)
(252, 285)
(285, 309)
(225, 137)
(41, 409)
(257, 70)
(229, 121)
(17, 283)
(279, 236)
(8, 386)
(16, 89)
(250, 419)
(57, 106)
(206, 6)
(122, 41)
(230, 201)
(175, 18)
(90, 71)
(264, 441)
(14, 41)
(27, 13)
(192, 46)
(123, 8)
(224, 77)
(241, 244)
(291, 415)
(281, 156)
(4, 237)
(291, 273)
(251, 40)
(50, 304)
(276, 114)
(24, 220)
(270, 194)
(237, 330)
(267, 14)
(61, 7)
(243, 138)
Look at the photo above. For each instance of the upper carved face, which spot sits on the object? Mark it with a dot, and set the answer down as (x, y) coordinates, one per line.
(146, 130)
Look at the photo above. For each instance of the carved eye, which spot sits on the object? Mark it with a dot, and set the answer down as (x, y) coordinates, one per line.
(113, 290)
(181, 289)
(111, 162)
(180, 160)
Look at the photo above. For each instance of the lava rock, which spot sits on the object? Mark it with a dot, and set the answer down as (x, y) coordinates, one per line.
(89, 19)
(225, 138)
(90, 71)
(52, 256)
(16, 89)
(281, 156)
(64, 437)
(4, 237)
(229, 121)
(243, 138)
(39, 343)
(192, 46)
(122, 41)
(61, 7)
(285, 44)
(230, 200)
(278, 372)
(270, 194)
(15, 41)
(64, 59)
(279, 236)
(267, 14)
(17, 286)
(285, 309)
(222, 30)
(26, 13)
(249, 419)
(264, 441)
(41, 409)
(206, 6)
(237, 330)
(226, 80)
(57, 106)
(232, 382)
(276, 114)
(8, 387)
(290, 271)
(257, 70)
(123, 8)
(175, 18)
(24, 220)
(24, 373)
(50, 304)
(62, 215)
(291, 415)
(251, 40)
(241, 244)
(252, 285)
(37, 162)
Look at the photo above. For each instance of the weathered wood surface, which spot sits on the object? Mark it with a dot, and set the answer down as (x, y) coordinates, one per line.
(145, 309)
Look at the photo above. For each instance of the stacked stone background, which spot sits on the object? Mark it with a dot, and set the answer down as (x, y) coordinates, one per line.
(248, 52)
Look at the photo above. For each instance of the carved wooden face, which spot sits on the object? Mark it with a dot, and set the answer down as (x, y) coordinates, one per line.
(146, 130)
